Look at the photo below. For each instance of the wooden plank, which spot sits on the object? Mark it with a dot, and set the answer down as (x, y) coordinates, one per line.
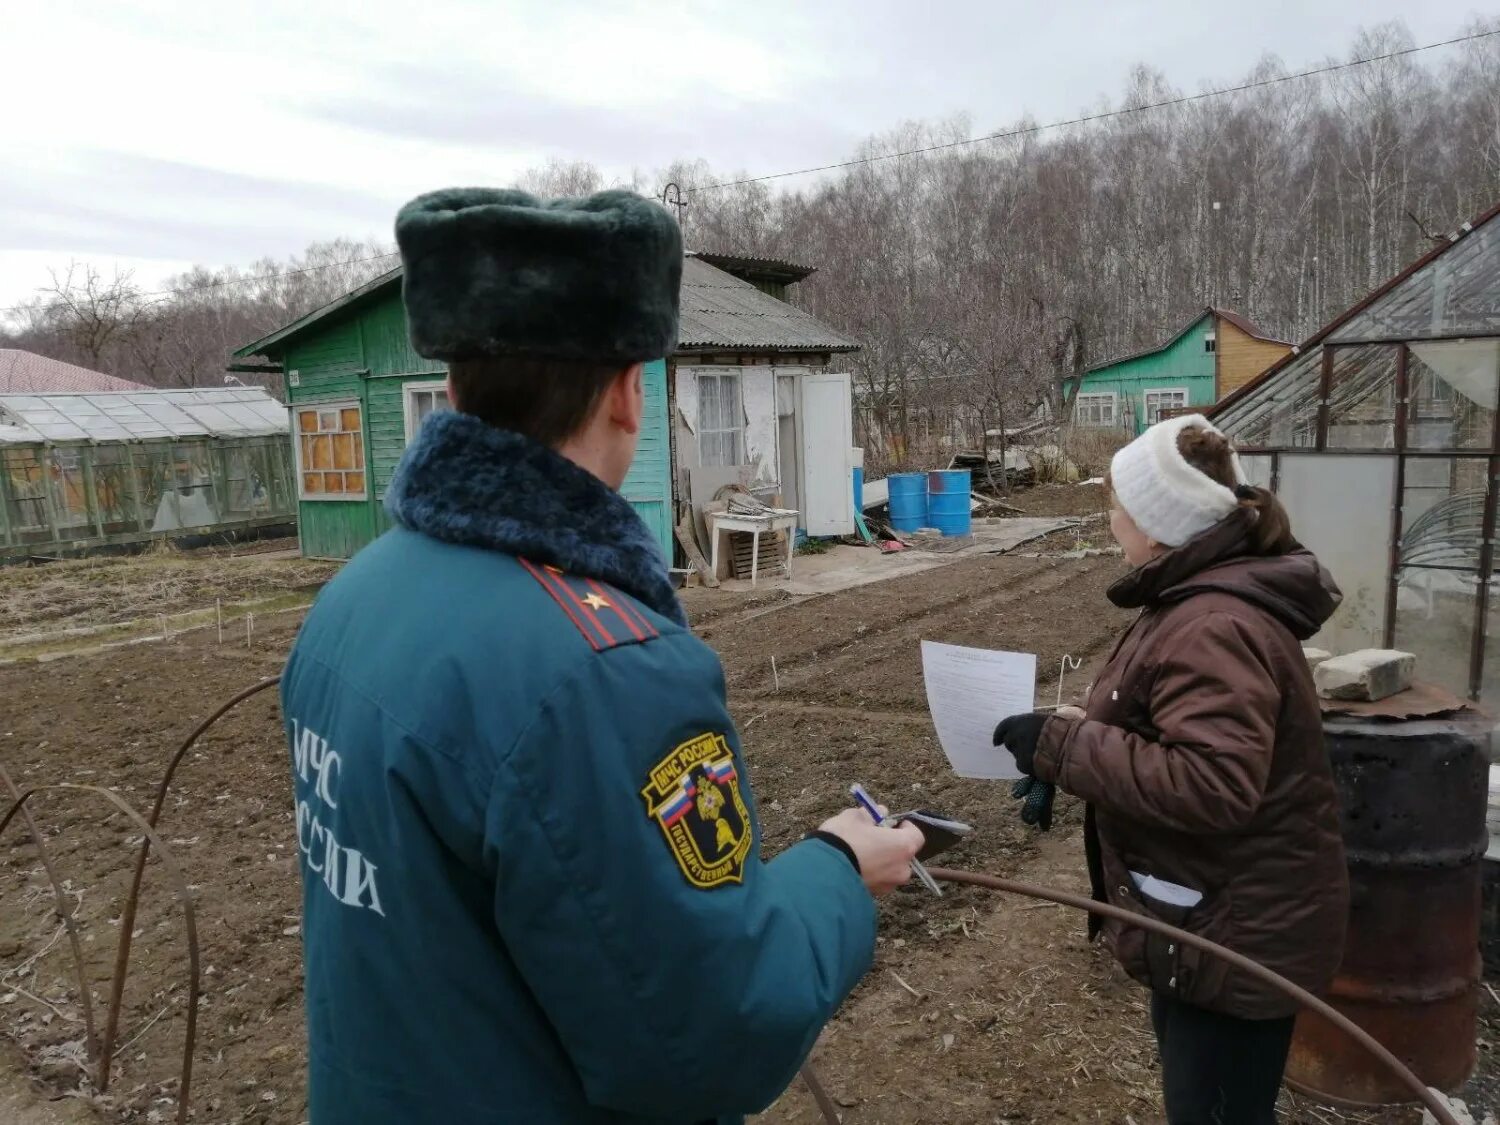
(772, 553)
(695, 556)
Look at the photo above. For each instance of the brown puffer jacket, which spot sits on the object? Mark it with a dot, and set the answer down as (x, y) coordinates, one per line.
(1202, 760)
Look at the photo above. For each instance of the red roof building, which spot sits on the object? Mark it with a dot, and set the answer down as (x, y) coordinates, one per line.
(29, 373)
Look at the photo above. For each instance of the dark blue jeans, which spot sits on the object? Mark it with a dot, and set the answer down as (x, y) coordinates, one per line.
(1218, 1069)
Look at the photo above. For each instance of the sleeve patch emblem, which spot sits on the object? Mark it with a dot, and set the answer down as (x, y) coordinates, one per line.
(694, 797)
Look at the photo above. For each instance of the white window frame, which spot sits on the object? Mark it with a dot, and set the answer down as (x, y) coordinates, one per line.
(341, 404)
(1097, 396)
(1157, 392)
(738, 430)
(1210, 342)
(409, 392)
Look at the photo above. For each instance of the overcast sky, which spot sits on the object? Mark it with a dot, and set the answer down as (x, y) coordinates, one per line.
(154, 134)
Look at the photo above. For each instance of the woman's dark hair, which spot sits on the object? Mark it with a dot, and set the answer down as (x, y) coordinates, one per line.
(1211, 454)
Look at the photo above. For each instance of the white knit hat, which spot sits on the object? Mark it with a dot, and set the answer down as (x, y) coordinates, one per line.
(1169, 500)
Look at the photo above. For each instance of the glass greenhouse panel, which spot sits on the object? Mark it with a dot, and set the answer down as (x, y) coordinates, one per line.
(1284, 413)
(1451, 394)
(1442, 511)
(1341, 507)
(1362, 397)
(1435, 617)
(1453, 295)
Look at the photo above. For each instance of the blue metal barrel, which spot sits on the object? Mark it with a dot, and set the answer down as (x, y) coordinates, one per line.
(908, 495)
(948, 501)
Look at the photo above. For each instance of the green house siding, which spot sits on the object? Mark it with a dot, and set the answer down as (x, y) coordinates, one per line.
(1185, 364)
(363, 355)
(648, 487)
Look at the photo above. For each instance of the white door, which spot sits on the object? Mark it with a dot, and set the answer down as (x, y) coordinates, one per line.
(827, 428)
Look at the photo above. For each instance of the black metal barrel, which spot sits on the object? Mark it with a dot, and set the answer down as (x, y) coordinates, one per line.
(1412, 801)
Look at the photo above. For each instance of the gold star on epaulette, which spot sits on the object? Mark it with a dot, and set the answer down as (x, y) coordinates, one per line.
(596, 603)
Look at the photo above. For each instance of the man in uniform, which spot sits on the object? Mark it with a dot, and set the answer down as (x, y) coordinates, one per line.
(533, 890)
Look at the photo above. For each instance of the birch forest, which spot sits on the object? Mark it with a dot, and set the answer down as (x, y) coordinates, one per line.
(981, 277)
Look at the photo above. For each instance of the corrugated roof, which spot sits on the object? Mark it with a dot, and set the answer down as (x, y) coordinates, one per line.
(24, 372)
(721, 311)
(140, 416)
(756, 269)
(718, 311)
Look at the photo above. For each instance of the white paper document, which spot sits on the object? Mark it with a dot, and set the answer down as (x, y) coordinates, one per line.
(969, 690)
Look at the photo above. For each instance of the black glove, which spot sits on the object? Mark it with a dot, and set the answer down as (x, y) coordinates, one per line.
(1036, 801)
(1019, 734)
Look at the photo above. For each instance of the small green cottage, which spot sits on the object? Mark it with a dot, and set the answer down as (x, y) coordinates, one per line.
(357, 393)
(1215, 354)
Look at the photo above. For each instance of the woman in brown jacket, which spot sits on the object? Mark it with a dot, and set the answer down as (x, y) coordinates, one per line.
(1200, 754)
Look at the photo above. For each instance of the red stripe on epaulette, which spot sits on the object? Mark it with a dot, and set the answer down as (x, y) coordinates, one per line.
(638, 629)
(585, 609)
(560, 596)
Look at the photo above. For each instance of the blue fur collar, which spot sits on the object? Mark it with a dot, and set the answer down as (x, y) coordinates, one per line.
(463, 481)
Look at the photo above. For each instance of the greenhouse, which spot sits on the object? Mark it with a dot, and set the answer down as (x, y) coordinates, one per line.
(1379, 434)
(84, 471)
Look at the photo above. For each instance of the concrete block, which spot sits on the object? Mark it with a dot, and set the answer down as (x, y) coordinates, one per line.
(1369, 674)
(1316, 656)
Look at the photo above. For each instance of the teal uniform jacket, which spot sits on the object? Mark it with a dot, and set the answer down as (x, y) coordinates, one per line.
(533, 890)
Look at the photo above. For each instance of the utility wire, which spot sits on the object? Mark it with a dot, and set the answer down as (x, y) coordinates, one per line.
(1024, 131)
(1088, 119)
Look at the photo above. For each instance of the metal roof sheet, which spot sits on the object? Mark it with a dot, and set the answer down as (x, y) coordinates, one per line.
(721, 311)
(140, 415)
(718, 311)
(23, 372)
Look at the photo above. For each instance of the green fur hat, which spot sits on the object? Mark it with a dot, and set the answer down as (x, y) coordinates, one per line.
(491, 272)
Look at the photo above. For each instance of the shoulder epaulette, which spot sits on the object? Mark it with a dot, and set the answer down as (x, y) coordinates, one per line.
(605, 617)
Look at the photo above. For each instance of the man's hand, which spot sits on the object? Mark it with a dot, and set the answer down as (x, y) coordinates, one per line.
(884, 854)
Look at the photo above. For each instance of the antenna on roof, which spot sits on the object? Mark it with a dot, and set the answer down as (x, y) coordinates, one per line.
(671, 196)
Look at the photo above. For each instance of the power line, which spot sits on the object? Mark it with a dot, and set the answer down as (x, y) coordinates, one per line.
(1029, 130)
(1088, 119)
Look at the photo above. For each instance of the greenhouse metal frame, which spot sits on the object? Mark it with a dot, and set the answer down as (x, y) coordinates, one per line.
(1381, 435)
(84, 471)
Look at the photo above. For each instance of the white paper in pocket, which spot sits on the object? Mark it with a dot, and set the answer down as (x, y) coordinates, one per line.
(1173, 894)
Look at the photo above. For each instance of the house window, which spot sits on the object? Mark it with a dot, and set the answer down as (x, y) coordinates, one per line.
(421, 400)
(1095, 410)
(721, 420)
(330, 452)
(1157, 401)
(1210, 343)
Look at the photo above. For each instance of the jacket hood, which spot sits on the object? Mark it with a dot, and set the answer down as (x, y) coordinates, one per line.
(1293, 587)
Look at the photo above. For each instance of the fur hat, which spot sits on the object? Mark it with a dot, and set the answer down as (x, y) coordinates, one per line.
(491, 272)
(1169, 500)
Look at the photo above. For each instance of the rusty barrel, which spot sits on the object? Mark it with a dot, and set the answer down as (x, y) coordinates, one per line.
(1412, 803)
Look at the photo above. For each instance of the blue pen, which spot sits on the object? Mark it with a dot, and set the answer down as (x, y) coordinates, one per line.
(868, 804)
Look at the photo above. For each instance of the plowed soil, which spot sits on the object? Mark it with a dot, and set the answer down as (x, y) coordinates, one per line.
(979, 1009)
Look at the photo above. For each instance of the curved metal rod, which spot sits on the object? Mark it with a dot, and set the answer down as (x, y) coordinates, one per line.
(64, 908)
(190, 916)
(1427, 1097)
(132, 900)
(1306, 999)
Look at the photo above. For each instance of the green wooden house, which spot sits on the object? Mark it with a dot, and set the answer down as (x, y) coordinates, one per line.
(357, 393)
(1213, 355)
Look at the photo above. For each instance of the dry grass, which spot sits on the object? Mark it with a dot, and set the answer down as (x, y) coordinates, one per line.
(80, 596)
(1084, 450)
